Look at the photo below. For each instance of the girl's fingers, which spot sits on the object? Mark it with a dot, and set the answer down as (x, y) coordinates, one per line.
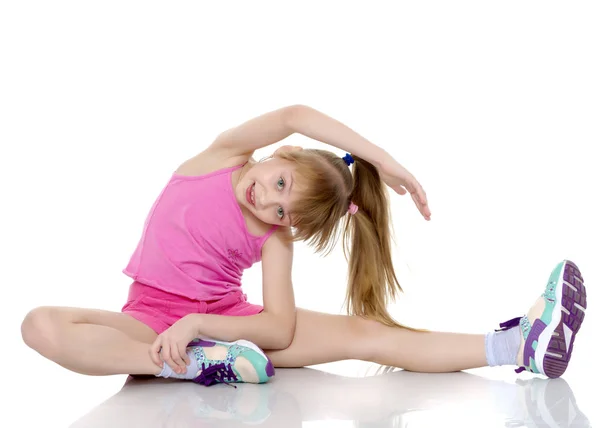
(176, 356)
(166, 356)
(155, 352)
(418, 189)
(421, 193)
(423, 208)
(184, 355)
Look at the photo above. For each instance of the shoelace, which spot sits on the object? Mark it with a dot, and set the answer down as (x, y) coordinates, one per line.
(509, 324)
(217, 373)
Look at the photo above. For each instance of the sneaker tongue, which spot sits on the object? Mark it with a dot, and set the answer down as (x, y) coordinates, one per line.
(537, 309)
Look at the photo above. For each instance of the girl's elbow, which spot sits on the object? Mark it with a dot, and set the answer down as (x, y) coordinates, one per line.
(280, 339)
(285, 335)
(282, 328)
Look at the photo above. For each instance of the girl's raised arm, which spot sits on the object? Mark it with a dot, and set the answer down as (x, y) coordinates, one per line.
(256, 133)
(279, 124)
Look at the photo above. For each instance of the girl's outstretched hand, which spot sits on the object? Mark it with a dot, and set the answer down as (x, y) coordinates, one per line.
(400, 180)
(171, 345)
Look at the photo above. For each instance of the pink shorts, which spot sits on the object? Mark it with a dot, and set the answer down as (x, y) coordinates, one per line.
(160, 310)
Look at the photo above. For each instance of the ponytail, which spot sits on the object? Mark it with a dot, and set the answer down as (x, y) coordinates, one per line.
(327, 188)
(372, 282)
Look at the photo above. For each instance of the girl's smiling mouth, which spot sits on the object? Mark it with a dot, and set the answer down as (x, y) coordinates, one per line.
(250, 194)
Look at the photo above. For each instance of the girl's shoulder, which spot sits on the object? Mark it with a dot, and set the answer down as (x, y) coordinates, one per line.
(210, 160)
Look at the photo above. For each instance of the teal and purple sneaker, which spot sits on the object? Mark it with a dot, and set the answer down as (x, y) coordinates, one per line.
(230, 362)
(549, 328)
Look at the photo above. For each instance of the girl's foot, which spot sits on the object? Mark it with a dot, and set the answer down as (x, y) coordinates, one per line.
(230, 362)
(549, 328)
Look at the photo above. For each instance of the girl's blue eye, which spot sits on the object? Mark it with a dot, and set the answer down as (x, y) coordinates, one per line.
(280, 185)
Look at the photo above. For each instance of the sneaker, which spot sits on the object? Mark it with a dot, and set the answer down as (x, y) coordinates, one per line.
(549, 328)
(230, 362)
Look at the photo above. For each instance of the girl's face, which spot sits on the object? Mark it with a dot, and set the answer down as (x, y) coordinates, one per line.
(266, 189)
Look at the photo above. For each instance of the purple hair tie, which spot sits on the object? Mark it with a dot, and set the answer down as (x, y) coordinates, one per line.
(352, 208)
(348, 159)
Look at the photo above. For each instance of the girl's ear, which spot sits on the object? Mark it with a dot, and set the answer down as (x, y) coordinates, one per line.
(287, 149)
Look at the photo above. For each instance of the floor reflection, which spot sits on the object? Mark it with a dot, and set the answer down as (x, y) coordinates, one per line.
(383, 398)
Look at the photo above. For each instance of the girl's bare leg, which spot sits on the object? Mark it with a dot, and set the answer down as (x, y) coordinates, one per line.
(97, 342)
(322, 338)
(90, 341)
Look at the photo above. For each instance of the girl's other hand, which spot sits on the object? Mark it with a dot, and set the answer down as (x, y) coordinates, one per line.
(401, 181)
(171, 345)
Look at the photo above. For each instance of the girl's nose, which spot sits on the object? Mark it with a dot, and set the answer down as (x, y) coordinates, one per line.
(269, 198)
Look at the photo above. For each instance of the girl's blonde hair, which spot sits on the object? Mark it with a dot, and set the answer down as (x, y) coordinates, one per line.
(326, 186)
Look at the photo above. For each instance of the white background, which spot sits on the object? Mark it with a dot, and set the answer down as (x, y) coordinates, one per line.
(493, 106)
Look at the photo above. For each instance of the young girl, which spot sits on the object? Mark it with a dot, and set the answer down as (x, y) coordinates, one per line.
(221, 212)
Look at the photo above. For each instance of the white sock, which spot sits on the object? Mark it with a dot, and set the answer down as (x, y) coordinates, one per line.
(501, 347)
(192, 368)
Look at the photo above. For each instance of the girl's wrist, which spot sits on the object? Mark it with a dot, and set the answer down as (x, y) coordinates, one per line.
(197, 323)
(382, 158)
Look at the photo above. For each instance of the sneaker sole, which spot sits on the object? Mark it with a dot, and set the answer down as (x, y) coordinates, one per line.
(555, 343)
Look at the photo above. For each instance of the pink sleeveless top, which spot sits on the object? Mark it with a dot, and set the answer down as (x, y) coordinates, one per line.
(195, 242)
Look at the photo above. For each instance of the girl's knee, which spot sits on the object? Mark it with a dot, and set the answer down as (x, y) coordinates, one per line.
(39, 329)
(364, 326)
(365, 333)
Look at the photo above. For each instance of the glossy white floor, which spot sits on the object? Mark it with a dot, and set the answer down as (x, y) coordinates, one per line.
(344, 394)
